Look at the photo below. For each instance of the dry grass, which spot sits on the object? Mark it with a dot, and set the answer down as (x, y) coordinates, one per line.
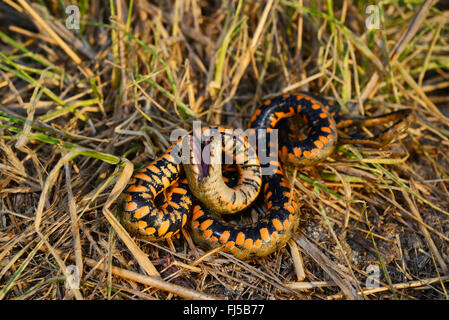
(79, 107)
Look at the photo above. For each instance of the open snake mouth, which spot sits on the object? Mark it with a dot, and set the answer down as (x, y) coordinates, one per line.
(201, 157)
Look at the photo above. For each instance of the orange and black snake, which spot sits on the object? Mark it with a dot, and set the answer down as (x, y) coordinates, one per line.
(221, 195)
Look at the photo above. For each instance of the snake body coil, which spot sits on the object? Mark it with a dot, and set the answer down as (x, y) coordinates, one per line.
(257, 239)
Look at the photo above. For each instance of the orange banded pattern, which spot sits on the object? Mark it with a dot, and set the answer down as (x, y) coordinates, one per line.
(321, 138)
(257, 239)
(281, 219)
(141, 215)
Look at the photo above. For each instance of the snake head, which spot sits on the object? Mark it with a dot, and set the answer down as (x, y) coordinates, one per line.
(205, 177)
(203, 167)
